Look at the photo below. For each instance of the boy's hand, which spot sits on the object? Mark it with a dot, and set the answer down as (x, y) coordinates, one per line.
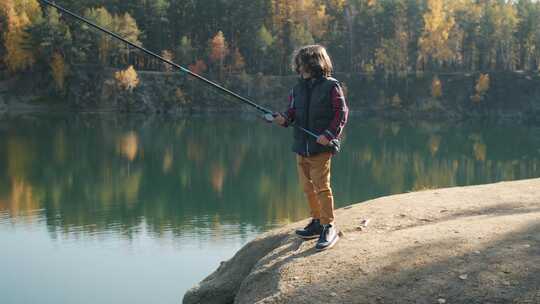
(323, 140)
(279, 119)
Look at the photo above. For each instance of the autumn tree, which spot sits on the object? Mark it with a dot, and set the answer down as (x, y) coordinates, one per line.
(3, 27)
(300, 36)
(103, 18)
(297, 23)
(238, 62)
(198, 67)
(156, 22)
(468, 14)
(392, 55)
(59, 71)
(436, 87)
(506, 21)
(361, 35)
(218, 49)
(497, 42)
(19, 16)
(51, 39)
(436, 41)
(481, 87)
(125, 26)
(17, 58)
(127, 79)
(310, 14)
(263, 42)
(110, 50)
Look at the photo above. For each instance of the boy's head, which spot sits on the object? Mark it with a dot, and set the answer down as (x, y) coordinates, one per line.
(312, 59)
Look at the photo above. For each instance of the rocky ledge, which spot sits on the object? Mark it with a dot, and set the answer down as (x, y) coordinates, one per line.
(476, 244)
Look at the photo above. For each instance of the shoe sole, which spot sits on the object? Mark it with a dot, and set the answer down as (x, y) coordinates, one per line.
(329, 246)
(307, 237)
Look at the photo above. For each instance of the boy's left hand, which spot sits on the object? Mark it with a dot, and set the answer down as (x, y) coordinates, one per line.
(323, 140)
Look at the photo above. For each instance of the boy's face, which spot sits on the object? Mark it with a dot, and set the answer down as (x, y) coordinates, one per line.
(304, 71)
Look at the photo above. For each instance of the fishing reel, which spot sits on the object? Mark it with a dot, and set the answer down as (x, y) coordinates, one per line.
(269, 117)
(335, 144)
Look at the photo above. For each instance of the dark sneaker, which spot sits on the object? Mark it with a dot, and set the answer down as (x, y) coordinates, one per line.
(311, 231)
(328, 238)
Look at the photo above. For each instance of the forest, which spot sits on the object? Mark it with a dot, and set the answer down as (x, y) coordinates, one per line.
(219, 38)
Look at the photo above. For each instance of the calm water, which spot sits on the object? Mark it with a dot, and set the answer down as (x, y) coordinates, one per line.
(131, 209)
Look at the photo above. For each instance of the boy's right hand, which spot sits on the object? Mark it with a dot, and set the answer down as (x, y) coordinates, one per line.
(279, 119)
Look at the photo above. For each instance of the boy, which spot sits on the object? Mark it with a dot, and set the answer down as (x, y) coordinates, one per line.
(316, 103)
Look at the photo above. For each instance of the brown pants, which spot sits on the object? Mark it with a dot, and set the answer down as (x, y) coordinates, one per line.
(314, 175)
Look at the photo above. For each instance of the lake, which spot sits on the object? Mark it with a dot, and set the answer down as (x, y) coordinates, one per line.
(111, 208)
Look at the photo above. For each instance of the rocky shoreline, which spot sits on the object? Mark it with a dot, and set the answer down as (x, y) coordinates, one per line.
(506, 96)
(474, 244)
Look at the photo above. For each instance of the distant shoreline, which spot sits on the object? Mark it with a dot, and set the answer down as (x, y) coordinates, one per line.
(506, 96)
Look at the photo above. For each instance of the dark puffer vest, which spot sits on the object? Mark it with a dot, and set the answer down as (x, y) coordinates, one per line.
(313, 111)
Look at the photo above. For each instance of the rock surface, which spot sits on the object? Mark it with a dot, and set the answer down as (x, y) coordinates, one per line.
(476, 244)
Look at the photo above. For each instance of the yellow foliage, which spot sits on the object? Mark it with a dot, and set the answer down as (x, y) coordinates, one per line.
(30, 8)
(5, 6)
(23, 198)
(103, 18)
(482, 84)
(434, 143)
(129, 145)
(481, 87)
(479, 151)
(338, 4)
(17, 57)
(368, 68)
(126, 26)
(167, 160)
(308, 13)
(436, 87)
(217, 177)
(127, 79)
(435, 41)
(59, 70)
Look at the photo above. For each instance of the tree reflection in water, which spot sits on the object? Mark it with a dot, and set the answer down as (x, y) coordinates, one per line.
(102, 172)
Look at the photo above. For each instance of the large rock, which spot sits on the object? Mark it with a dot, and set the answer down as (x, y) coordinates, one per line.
(222, 285)
(477, 244)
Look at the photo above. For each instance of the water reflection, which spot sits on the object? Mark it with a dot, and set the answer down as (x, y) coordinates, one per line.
(205, 176)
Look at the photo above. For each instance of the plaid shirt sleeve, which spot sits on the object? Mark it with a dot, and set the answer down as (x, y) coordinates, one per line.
(341, 113)
(291, 111)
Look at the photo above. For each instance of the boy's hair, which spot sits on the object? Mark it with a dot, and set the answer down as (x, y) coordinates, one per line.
(314, 58)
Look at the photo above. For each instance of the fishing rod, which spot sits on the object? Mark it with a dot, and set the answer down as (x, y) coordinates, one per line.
(269, 115)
